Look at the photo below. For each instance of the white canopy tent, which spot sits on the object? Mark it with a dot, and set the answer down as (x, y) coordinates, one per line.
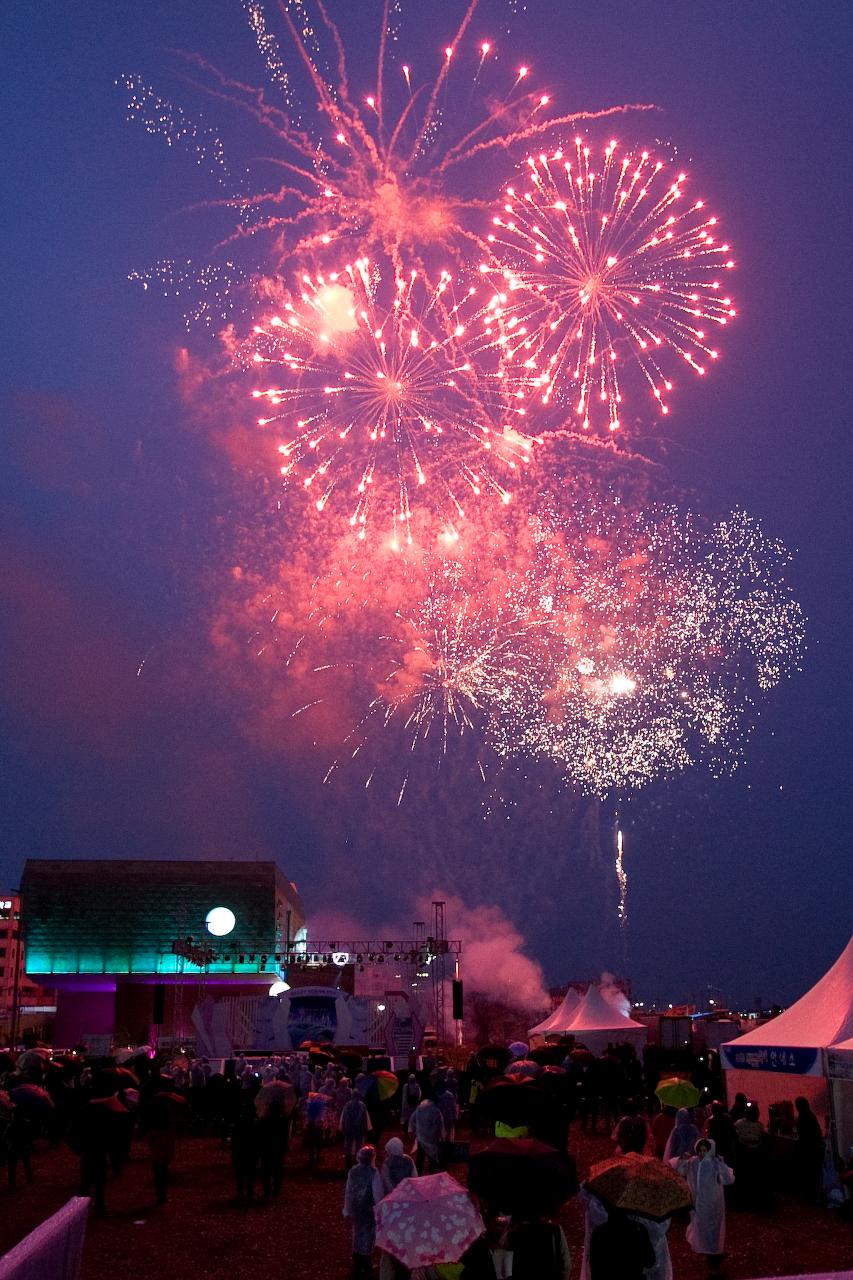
(556, 1024)
(596, 1023)
(786, 1057)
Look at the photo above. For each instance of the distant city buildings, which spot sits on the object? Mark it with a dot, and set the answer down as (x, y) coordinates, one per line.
(25, 1007)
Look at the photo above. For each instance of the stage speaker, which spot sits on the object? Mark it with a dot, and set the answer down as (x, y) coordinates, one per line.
(158, 1016)
(457, 1000)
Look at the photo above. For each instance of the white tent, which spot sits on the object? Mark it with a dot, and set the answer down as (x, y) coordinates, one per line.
(785, 1057)
(597, 1023)
(556, 1024)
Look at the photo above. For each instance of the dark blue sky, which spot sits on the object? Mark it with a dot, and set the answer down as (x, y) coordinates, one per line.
(118, 514)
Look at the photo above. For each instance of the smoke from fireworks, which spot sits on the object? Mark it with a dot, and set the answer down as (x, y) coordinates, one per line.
(602, 272)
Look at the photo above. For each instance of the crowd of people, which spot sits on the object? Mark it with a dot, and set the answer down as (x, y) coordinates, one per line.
(334, 1112)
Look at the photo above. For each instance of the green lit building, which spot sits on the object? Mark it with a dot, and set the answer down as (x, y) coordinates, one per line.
(129, 944)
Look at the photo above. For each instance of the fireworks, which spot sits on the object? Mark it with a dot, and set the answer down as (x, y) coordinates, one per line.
(459, 655)
(663, 631)
(603, 271)
(380, 407)
(406, 393)
(383, 171)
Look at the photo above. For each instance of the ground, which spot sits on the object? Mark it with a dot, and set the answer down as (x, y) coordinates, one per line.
(302, 1233)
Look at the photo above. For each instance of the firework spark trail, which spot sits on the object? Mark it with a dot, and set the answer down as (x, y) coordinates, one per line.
(382, 402)
(665, 629)
(600, 270)
(375, 174)
(459, 657)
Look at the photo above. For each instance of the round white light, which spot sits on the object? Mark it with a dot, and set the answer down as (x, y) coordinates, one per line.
(279, 988)
(220, 921)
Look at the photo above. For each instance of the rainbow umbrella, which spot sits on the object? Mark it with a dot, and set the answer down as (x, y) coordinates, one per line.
(381, 1084)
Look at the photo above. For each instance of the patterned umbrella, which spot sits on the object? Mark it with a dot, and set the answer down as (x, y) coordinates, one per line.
(427, 1220)
(524, 1067)
(639, 1184)
(676, 1092)
(518, 1049)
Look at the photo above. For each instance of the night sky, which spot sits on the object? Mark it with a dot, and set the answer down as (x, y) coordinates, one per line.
(123, 733)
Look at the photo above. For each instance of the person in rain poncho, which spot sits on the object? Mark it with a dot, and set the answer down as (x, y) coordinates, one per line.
(653, 1261)
(427, 1124)
(449, 1108)
(410, 1100)
(363, 1191)
(706, 1175)
(355, 1123)
(683, 1138)
(397, 1165)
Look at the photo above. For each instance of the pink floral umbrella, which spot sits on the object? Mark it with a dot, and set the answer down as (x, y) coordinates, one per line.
(427, 1220)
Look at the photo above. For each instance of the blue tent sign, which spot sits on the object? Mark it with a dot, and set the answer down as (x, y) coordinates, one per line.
(794, 1062)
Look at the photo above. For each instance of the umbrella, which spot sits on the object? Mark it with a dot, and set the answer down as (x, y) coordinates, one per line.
(115, 1078)
(519, 1174)
(279, 1091)
(32, 1058)
(515, 1103)
(548, 1055)
(524, 1067)
(385, 1083)
(518, 1049)
(427, 1220)
(676, 1092)
(31, 1097)
(639, 1184)
(493, 1055)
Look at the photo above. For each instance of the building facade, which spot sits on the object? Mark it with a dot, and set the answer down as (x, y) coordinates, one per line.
(133, 946)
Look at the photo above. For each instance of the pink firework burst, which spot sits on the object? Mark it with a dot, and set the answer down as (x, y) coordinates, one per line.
(604, 271)
(379, 405)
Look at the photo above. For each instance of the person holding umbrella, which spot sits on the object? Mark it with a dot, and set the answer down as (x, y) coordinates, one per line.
(706, 1175)
(640, 1195)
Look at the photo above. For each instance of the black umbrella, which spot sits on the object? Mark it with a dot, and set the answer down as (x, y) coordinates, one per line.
(493, 1056)
(515, 1102)
(517, 1175)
